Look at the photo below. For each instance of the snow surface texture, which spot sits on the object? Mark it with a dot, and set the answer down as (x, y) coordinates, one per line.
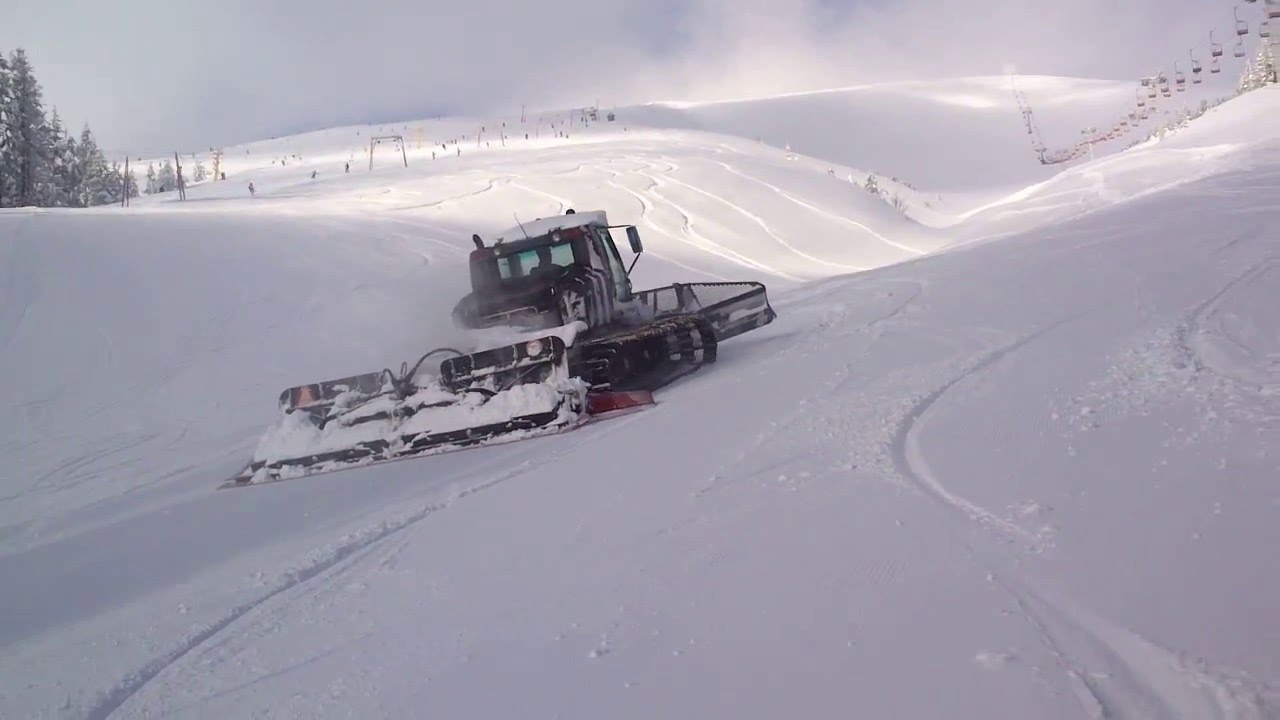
(1033, 476)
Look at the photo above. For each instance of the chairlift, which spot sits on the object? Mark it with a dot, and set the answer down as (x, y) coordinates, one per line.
(1196, 67)
(1179, 77)
(1239, 50)
(1264, 30)
(1215, 47)
(1142, 102)
(1215, 67)
(1242, 27)
(1273, 9)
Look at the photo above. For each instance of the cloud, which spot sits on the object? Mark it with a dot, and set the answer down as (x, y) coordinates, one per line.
(153, 75)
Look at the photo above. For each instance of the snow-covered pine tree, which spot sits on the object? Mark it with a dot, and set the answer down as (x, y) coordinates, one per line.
(7, 169)
(62, 185)
(167, 179)
(151, 179)
(32, 146)
(1259, 72)
(100, 185)
(199, 173)
(1246, 78)
(1266, 66)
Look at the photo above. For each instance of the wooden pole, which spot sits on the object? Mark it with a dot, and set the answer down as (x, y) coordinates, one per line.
(182, 184)
(403, 156)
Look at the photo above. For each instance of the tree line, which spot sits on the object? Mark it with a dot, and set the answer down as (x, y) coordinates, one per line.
(41, 163)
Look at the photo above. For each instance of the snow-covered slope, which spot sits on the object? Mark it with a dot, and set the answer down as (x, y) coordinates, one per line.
(958, 136)
(1031, 477)
(1225, 138)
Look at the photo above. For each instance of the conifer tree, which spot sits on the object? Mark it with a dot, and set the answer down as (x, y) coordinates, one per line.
(32, 148)
(8, 170)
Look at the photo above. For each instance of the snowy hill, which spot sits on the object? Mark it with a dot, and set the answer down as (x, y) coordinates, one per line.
(960, 136)
(1029, 477)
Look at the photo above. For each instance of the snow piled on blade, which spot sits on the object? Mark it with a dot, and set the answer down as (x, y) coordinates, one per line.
(437, 411)
(1030, 477)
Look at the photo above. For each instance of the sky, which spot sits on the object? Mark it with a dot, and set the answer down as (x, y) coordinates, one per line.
(160, 75)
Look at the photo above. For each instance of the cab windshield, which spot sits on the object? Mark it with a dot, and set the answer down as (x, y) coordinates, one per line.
(547, 259)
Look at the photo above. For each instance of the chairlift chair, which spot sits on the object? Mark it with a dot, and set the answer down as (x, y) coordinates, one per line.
(1215, 47)
(1196, 66)
(1215, 67)
(1179, 77)
(1239, 50)
(1273, 9)
(1242, 27)
(1264, 30)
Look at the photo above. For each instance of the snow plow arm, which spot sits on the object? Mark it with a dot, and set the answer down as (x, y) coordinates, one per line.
(731, 308)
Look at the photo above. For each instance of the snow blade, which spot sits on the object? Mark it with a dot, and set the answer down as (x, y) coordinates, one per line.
(519, 391)
(731, 308)
(410, 445)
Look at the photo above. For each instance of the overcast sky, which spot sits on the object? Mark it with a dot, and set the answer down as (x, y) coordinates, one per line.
(155, 75)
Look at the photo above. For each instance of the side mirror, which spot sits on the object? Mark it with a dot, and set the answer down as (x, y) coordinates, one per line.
(633, 236)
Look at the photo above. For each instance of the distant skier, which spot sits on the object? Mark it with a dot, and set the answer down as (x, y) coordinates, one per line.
(313, 174)
(252, 192)
(347, 167)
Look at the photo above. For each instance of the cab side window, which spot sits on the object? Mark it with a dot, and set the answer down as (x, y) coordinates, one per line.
(621, 284)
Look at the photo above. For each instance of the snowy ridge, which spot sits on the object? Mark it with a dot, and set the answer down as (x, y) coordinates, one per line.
(1027, 477)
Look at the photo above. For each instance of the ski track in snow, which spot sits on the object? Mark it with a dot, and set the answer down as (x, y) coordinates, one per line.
(1115, 673)
(830, 325)
(562, 203)
(645, 220)
(687, 226)
(908, 456)
(1208, 343)
(489, 187)
(349, 548)
(825, 213)
(1112, 671)
(768, 231)
(1193, 358)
